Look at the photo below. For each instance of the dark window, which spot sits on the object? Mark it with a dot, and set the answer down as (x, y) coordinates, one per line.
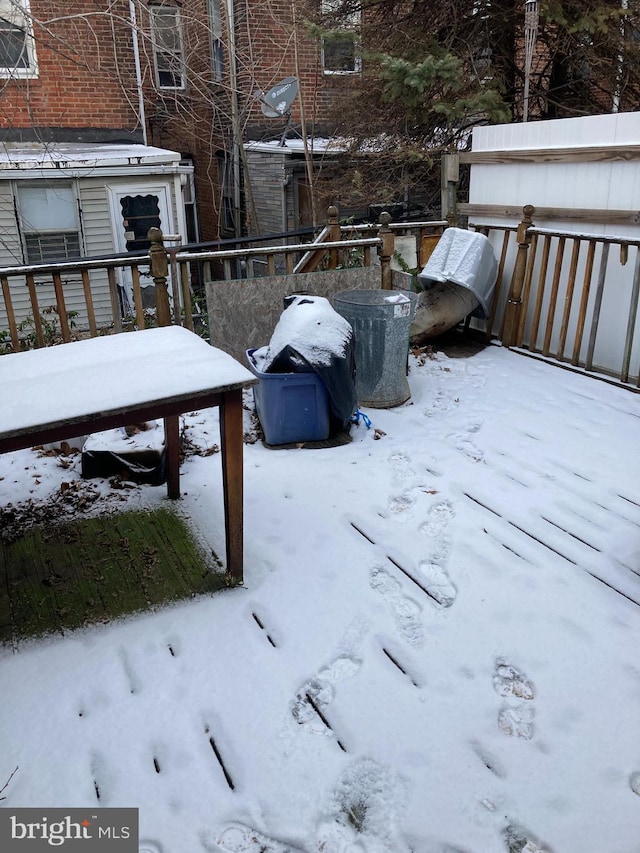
(17, 54)
(13, 46)
(339, 51)
(139, 214)
(341, 41)
(47, 248)
(217, 45)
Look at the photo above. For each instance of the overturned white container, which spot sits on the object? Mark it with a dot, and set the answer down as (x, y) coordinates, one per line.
(458, 280)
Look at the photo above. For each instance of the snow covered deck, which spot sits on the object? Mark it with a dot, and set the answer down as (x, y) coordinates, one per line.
(436, 648)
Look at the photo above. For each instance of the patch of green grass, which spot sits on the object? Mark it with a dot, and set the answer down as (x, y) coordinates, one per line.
(59, 577)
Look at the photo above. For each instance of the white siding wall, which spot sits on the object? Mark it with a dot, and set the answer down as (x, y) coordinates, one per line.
(605, 185)
(98, 240)
(10, 255)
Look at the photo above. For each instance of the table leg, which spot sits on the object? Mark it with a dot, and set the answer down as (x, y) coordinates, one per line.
(231, 441)
(172, 444)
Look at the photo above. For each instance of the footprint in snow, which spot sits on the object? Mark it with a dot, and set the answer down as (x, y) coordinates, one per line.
(405, 610)
(440, 405)
(520, 840)
(364, 811)
(508, 681)
(443, 510)
(468, 449)
(341, 668)
(438, 517)
(475, 378)
(441, 550)
(401, 503)
(463, 443)
(400, 463)
(321, 690)
(516, 722)
(516, 715)
(238, 838)
(438, 583)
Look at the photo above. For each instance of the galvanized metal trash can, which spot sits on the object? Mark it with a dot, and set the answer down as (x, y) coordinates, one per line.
(381, 320)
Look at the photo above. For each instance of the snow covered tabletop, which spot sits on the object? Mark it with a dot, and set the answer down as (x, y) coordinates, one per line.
(70, 381)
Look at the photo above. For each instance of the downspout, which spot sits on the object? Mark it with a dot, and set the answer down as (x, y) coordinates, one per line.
(235, 113)
(308, 155)
(136, 58)
(285, 180)
(615, 107)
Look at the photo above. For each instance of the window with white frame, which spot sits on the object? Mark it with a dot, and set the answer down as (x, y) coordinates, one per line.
(168, 47)
(341, 43)
(217, 42)
(48, 222)
(17, 48)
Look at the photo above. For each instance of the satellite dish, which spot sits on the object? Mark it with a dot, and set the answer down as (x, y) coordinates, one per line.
(278, 100)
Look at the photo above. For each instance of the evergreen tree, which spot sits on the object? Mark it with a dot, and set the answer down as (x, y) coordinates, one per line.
(431, 71)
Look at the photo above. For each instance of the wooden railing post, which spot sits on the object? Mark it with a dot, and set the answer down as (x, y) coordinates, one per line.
(450, 177)
(513, 308)
(333, 225)
(159, 273)
(386, 250)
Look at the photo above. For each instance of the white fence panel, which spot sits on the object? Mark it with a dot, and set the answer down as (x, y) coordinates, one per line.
(574, 177)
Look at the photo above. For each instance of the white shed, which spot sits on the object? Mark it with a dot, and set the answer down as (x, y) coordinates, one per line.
(63, 201)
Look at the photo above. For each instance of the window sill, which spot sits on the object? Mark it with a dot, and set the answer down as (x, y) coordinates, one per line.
(18, 74)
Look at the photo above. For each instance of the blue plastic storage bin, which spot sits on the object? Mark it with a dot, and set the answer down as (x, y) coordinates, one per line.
(291, 407)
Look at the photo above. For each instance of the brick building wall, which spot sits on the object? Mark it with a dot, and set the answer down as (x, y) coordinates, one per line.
(195, 121)
(87, 90)
(85, 87)
(267, 49)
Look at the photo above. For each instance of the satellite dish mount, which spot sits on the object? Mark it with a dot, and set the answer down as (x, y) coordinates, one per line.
(276, 103)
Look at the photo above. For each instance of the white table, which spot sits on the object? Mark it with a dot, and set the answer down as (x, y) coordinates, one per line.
(64, 391)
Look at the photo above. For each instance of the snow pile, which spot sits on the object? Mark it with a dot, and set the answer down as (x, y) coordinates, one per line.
(310, 327)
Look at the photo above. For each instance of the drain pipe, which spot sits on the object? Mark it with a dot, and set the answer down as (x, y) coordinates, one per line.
(617, 93)
(136, 58)
(235, 114)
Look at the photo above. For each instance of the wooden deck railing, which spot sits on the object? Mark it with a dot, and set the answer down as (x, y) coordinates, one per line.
(568, 297)
(50, 303)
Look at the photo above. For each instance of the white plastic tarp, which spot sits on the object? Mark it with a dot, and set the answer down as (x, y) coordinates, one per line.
(465, 258)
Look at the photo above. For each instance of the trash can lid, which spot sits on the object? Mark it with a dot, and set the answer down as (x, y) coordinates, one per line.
(373, 297)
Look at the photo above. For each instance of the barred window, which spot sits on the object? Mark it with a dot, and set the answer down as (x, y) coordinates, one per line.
(49, 223)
